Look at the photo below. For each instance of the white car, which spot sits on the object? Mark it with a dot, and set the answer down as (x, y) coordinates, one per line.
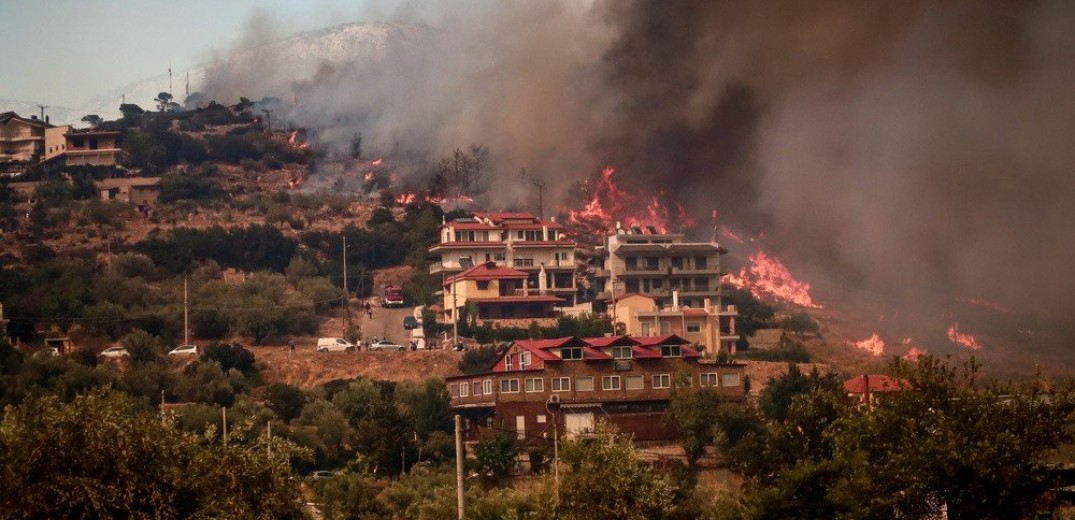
(114, 352)
(384, 344)
(184, 350)
(334, 345)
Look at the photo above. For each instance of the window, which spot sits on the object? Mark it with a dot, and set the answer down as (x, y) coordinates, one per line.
(483, 285)
(699, 262)
(77, 143)
(464, 389)
(487, 386)
(571, 353)
(535, 384)
(652, 263)
(584, 383)
(635, 382)
(541, 418)
(476, 385)
(524, 262)
(509, 386)
(671, 351)
(453, 389)
(610, 382)
(677, 262)
(499, 257)
(662, 381)
(694, 326)
(561, 384)
(666, 328)
(730, 379)
(622, 352)
(524, 360)
(707, 379)
(509, 362)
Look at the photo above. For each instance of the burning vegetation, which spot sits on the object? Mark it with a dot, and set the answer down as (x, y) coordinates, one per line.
(768, 277)
(962, 338)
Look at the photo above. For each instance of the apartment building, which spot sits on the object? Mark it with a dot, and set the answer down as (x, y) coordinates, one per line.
(499, 295)
(21, 139)
(565, 385)
(710, 325)
(519, 241)
(644, 261)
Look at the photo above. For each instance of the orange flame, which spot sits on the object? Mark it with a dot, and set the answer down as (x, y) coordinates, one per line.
(293, 141)
(873, 345)
(961, 338)
(609, 204)
(406, 198)
(377, 162)
(369, 176)
(768, 276)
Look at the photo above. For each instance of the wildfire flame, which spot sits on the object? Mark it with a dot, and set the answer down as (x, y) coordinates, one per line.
(369, 176)
(768, 276)
(377, 162)
(961, 338)
(609, 204)
(296, 182)
(293, 141)
(982, 302)
(406, 198)
(915, 353)
(873, 345)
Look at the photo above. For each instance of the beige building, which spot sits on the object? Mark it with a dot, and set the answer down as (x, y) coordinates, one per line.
(90, 147)
(499, 295)
(140, 191)
(21, 139)
(519, 241)
(708, 325)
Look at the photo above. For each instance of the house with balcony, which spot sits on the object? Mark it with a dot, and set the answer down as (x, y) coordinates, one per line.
(564, 385)
(500, 296)
(91, 147)
(710, 326)
(21, 139)
(519, 241)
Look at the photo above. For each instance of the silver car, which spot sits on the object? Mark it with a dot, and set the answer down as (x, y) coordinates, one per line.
(184, 350)
(114, 352)
(384, 344)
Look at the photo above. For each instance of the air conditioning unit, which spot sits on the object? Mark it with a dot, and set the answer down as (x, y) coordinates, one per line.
(554, 399)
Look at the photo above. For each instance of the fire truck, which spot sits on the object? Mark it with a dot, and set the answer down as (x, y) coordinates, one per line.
(393, 296)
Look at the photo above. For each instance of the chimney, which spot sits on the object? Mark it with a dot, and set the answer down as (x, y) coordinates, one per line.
(46, 118)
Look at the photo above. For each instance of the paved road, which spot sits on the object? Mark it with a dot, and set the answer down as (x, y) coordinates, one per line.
(385, 323)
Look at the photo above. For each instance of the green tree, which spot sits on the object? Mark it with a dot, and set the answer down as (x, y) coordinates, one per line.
(494, 455)
(800, 322)
(132, 466)
(93, 120)
(695, 417)
(230, 356)
(285, 400)
(350, 497)
(608, 480)
(165, 102)
(479, 360)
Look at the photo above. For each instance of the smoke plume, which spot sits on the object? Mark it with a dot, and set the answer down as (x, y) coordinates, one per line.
(910, 148)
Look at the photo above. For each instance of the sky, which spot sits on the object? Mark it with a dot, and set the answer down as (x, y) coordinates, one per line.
(72, 50)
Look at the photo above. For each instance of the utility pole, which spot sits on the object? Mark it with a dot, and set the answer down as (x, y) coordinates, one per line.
(268, 119)
(459, 454)
(346, 295)
(224, 422)
(268, 445)
(188, 86)
(556, 455)
(186, 315)
(455, 319)
(170, 78)
(540, 184)
(42, 107)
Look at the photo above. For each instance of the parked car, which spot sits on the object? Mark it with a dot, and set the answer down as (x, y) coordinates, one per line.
(184, 350)
(410, 323)
(114, 352)
(384, 344)
(321, 473)
(334, 345)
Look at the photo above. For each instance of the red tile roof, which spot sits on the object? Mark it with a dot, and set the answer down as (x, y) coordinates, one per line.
(486, 271)
(569, 341)
(472, 225)
(608, 341)
(875, 383)
(644, 353)
(593, 354)
(656, 341)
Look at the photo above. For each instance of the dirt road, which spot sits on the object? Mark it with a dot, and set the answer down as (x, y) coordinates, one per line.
(386, 323)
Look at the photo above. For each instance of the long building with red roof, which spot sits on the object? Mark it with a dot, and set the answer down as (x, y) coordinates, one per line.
(539, 386)
(515, 240)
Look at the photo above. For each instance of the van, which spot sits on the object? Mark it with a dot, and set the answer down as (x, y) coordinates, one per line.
(334, 345)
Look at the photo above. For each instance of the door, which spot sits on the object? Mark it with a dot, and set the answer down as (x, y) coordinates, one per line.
(576, 423)
(520, 426)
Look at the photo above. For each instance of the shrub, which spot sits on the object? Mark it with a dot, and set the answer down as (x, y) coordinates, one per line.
(230, 356)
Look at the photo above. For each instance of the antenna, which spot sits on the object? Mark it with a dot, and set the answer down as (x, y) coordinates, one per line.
(540, 184)
(42, 107)
(169, 78)
(188, 86)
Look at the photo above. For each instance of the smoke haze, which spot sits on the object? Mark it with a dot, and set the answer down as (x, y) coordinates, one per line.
(909, 148)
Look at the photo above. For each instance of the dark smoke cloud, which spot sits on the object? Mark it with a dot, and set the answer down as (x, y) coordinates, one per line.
(914, 148)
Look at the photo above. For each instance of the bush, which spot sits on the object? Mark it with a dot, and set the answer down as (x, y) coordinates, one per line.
(793, 351)
(479, 360)
(801, 323)
(230, 356)
(285, 400)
